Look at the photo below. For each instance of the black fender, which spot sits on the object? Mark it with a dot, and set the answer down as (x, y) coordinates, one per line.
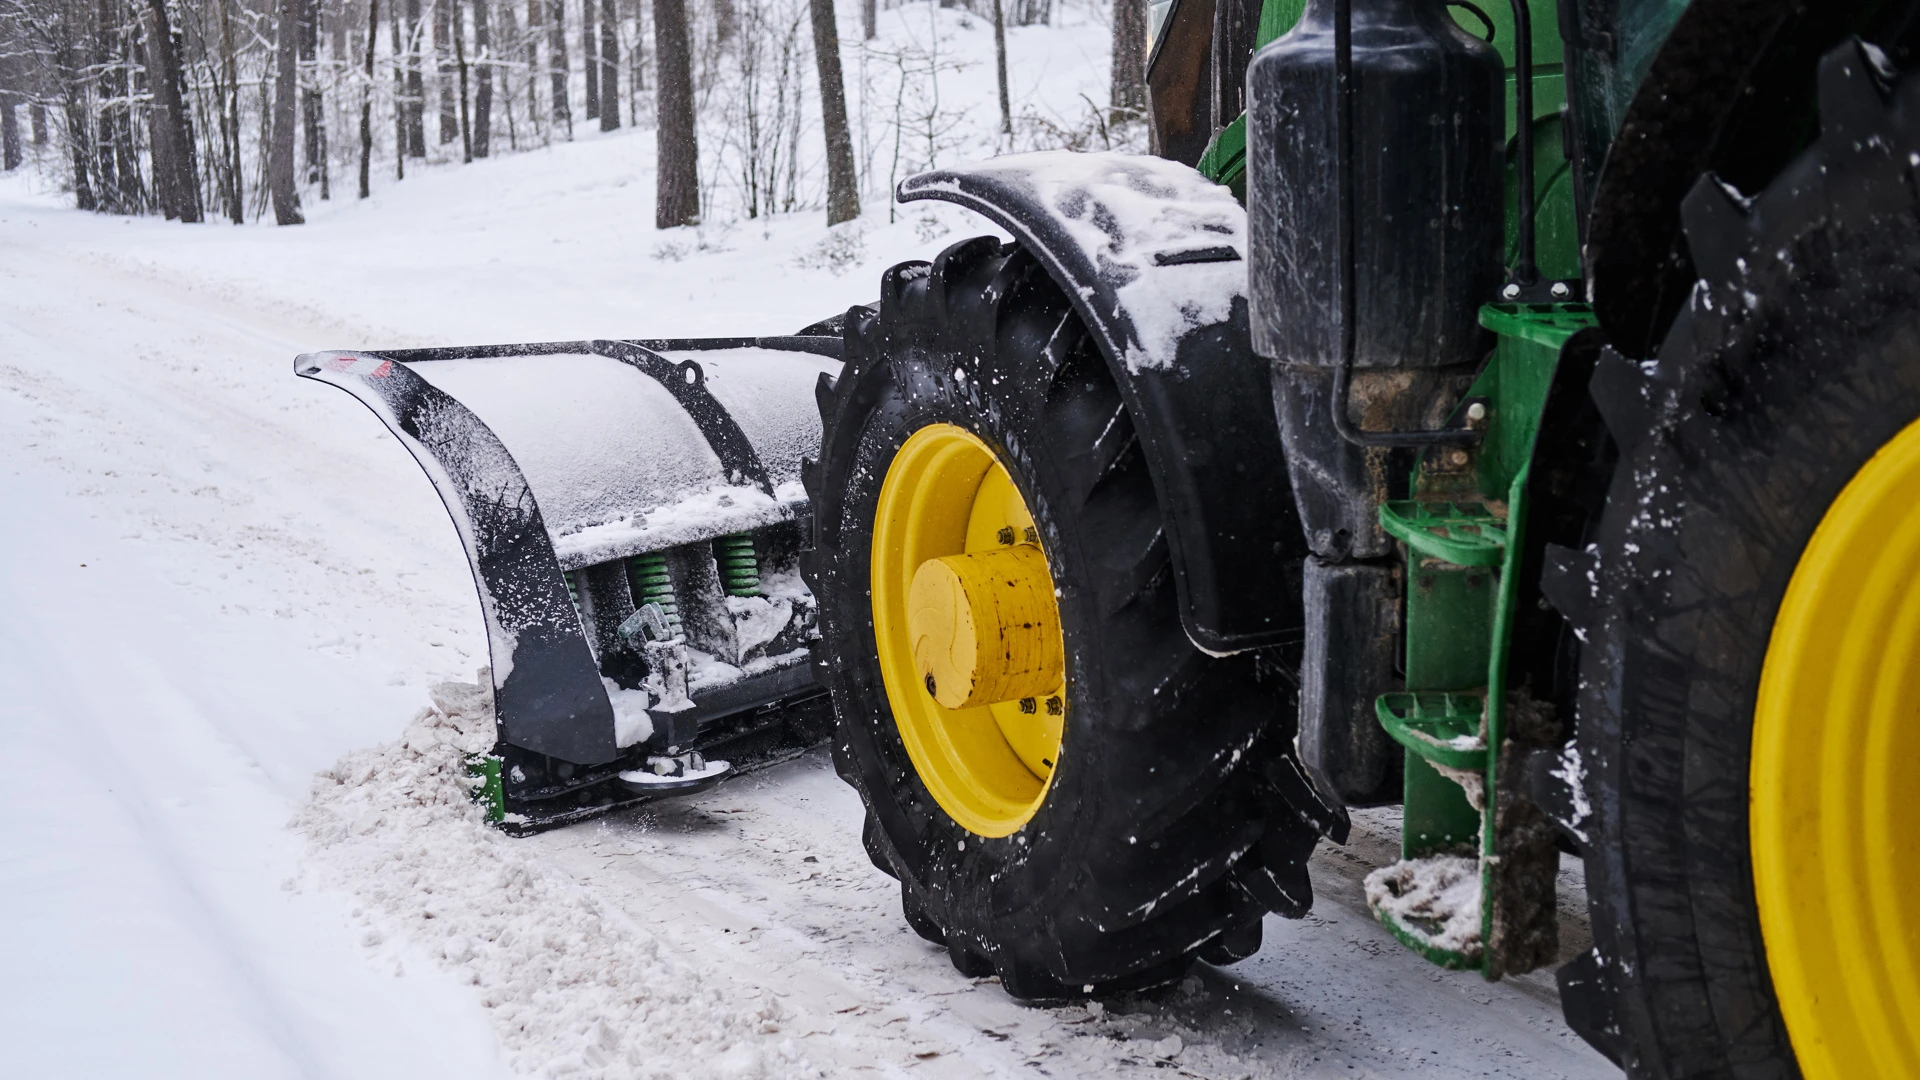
(1730, 91)
(1153, 258)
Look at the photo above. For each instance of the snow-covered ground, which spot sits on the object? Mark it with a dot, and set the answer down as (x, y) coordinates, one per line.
(224, 596)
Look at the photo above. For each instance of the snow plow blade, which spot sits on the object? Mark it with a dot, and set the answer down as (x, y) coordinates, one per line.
(632, 513)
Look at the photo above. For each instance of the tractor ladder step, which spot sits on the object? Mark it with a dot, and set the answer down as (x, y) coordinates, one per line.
(1443, 728)
(1461, 533)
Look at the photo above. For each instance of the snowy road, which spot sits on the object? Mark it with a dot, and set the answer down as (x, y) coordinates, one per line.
(218, 579)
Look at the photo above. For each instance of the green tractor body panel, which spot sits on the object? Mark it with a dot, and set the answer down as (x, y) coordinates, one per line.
(1463, 527)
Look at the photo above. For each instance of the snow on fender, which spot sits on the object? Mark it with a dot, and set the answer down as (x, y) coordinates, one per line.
(1152, 256)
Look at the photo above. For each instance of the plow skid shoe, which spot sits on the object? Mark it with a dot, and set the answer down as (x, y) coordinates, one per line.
(632, 512)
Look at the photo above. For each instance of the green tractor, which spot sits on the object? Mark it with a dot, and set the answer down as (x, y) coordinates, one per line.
(1508, 411)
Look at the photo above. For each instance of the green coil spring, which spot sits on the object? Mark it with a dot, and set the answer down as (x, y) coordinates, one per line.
(650, 582)
(739, 566)
(571, 577)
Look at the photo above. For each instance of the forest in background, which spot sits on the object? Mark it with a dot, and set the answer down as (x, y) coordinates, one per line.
(241, 109)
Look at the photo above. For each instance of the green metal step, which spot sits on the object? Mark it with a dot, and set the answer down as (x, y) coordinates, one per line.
(1462, 533)
(1444, 728)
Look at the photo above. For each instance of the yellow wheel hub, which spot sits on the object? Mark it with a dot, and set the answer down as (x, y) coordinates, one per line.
(968, 630)
(1836, 739)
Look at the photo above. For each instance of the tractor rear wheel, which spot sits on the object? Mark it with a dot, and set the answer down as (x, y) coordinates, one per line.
(1070, 793)
(1752, 659)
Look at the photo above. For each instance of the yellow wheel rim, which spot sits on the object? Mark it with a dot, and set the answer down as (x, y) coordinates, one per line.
(1835, 830)
(967, 630)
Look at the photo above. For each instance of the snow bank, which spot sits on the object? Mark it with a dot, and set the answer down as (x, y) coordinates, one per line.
(573, 987)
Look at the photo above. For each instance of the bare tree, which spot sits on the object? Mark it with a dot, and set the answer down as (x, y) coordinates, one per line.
(1129, 60)
(590, 57)
(869, 19)
(11, 153)
(80, 134)
(609, 66)
(12, 79)
(1000, 67)
(726, 21)
(230, 118)
(678, 201)
(458, 21)
(483, 96)
(531, 51)
(1030, 12)
(843, 189)
(312, 115)
(286, 197)
(637, 61)
(416, 86)
(366, 101)
(444, 68)
(175, 177)
(122, 189)
(401, 110)
(557, 59)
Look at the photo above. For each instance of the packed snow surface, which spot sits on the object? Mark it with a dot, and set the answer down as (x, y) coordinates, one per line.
(227, 590)
(572, 986)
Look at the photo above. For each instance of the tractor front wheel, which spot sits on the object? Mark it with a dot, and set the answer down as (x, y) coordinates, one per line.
(1069, 792)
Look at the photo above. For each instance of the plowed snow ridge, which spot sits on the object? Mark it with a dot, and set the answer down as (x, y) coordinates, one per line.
(572, 987)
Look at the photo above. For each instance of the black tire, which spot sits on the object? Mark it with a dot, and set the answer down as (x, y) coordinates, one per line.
(1797, 359)
(1154, 839)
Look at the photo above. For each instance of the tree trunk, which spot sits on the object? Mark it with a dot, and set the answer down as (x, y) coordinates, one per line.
(609, 66)
(37, 120)
(230, 120)
(483, 95)
(637, 62)
(416, 86)
(1000, 66)
(10, 152)
(117, 163)
(174, 174)
(1129, 60)
(161, 143)
(286, 197)
(443, 68)
(458, 21)
(726, 21)
(843, 190)
(193, 207)
(79, 132)
(531, 49)
(869, 18)
(557, 58)
(590, 57)
(312, 118)
(678, 201)
(400, 111)
(366, 100)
